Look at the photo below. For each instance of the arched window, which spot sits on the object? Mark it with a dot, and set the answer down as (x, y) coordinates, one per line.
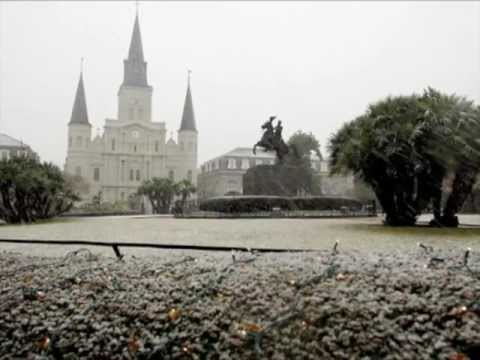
(135, 148)
(171, 175)
(122, 170)
(156, 146)
(113, 144)
(190, 175)
(131, 174)
(137, 177)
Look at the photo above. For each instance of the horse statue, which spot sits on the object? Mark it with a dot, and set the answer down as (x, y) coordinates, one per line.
(272, 139)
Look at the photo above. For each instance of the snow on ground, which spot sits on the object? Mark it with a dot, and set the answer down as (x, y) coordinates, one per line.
(314, 305)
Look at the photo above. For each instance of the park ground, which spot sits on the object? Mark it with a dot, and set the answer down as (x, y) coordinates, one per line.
(357, 234)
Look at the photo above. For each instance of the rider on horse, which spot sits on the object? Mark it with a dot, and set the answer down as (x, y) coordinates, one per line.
(278, 133)
(272, 139)
(267, 137)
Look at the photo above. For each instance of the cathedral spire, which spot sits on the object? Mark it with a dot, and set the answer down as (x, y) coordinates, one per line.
(79, 111)
(188, 116)
(136, 49)
(135, 67)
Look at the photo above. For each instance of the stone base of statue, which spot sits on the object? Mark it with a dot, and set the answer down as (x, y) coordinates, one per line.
(278, 179)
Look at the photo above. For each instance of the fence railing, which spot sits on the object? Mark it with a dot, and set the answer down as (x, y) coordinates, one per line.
(117, 245)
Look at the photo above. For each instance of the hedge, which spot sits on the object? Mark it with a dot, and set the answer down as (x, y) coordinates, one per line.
(325, 203)
(238, 204)
(255, 203)
(100, 213)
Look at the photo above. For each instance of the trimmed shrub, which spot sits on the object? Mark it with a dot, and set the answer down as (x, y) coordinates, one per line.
(325, 203)
(250, 204)
(103, 209)
(238, 204)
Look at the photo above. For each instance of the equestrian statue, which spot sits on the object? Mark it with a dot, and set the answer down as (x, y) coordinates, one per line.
(272, 139)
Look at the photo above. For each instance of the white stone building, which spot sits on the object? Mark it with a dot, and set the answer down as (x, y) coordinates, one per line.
(133, 148)
(224, 174)
(10, 147)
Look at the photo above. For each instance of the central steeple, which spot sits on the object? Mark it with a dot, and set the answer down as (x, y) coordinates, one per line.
(135, 67)
(135, 95)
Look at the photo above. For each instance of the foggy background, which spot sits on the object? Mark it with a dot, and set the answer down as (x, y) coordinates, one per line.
(313, 64)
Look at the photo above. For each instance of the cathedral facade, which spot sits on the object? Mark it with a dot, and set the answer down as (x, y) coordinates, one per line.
(133, 148)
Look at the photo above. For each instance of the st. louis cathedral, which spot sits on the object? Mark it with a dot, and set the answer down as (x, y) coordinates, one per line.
(132, 148)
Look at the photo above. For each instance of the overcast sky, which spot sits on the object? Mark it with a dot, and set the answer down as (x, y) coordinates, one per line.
(313, 64)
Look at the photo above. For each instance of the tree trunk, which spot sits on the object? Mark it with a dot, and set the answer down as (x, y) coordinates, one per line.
(462, 186)
(152, 205)
(397, 204)
(10, 214)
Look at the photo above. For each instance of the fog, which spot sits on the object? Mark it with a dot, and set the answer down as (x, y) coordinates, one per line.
(313, 64)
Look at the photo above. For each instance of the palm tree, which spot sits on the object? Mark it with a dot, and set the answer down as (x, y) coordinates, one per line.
(376, 148)
(403, 148)
(184, 189)
(160, 192)
(453, 128)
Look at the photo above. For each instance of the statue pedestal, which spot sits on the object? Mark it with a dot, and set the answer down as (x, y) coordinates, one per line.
(278, 179)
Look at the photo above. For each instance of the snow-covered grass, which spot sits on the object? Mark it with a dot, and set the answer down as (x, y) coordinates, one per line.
(365, 234)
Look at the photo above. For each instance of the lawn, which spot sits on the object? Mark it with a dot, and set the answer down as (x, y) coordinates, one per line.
(359, 234)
